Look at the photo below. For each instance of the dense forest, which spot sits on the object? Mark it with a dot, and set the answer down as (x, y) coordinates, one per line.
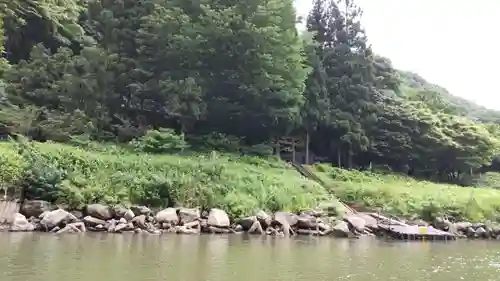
(109, 71)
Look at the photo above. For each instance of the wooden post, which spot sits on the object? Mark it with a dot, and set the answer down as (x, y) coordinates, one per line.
(339, 159)
(307, 148)
(293, 151)
(278, 147)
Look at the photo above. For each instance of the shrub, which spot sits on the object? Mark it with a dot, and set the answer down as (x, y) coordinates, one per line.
(217, 141)
(41, 177)
(160, 141)
(12, 166)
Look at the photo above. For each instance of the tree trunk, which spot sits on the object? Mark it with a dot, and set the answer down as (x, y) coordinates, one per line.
(339, 157)
(278, 147)
(307, 148)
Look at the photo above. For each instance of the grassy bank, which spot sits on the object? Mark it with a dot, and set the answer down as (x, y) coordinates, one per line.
(240, 185)
(407, 197)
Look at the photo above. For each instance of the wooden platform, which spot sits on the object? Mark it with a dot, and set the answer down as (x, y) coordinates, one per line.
(414, 232)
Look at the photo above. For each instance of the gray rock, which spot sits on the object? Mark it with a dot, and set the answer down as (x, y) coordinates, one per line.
(218, 218)
(324, 228)
(481, 232)
(341, 229)
(124, 227)
(129, 215)
(356, 222)
(478, 225)
(286, 221)
(140, 221)
(56, 218)
(246, 223)
(119, 212)
(91, 221)
(442, 224)
(77, 214)
(283, 218)
(370, 221)
(218, 230)
(141, 210)
(20, 223)
(168, 215)
(99, 211)
(462, 226)
(264, 219)
(187, 215)
(111, 225)
(34, 208)
(470, 232)
(43, 214)
(306, 221)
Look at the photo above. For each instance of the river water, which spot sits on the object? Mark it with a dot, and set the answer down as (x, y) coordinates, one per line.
(96, 257)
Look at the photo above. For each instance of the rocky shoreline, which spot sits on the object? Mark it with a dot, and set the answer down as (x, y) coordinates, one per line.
(37, 215)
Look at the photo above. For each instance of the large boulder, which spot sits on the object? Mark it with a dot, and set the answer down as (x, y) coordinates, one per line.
(99, 211)
(341, 229)
(141, 210)
(218, 218)
(34, 208)
(285, 218)
(264, 219)
(129, 215)
(356, 222)
(168, 215)
(57, 218)
(370, 221)
(140, 222)
(247, 222)
(462, 226)
(93, 222)
(285, 221)
(20, 223)
(307, 221)
(187, 215)
(119, 212)
(443, 224)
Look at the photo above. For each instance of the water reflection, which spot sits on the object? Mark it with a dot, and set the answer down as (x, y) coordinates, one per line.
(39, 257)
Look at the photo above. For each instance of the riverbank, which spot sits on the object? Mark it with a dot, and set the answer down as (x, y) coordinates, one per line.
(409, 198)
(38, 215)
(73, 177)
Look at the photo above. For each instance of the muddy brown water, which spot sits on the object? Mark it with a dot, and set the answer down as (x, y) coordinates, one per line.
(96, 257)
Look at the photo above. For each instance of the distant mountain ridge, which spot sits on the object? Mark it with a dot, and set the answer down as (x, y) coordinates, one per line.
(416, 84)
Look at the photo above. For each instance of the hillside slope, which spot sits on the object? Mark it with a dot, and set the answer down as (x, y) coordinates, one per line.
(412, 84)
(114, 175)
(240, 185)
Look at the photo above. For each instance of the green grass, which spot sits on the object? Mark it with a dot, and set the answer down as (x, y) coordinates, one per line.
(240, 185)
(109, 174)
(489, 180)
(407, 197)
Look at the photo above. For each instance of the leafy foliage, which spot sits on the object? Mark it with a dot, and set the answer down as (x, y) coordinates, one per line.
(240, 185)
(403, 196)
(160, 141)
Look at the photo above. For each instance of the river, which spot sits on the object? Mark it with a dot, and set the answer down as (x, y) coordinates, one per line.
(96, 257)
